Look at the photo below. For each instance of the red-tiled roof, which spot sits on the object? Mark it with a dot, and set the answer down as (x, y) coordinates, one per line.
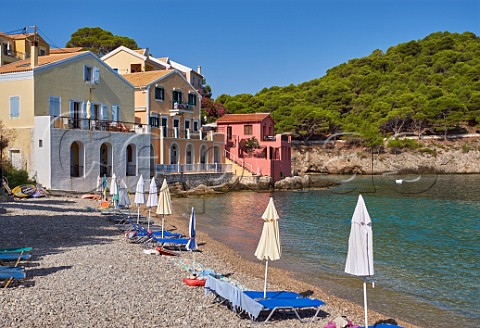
(25, 65)
(242, 118)
(141, 79)
(64, 50)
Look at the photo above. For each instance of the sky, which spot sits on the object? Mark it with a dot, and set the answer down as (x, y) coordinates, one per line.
(245, 46)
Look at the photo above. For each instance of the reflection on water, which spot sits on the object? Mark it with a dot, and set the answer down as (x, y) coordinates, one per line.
(426, 240)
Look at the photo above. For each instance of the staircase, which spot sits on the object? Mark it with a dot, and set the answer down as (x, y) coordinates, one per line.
(239, 167)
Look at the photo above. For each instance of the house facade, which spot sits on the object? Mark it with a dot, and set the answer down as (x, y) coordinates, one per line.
(170, 106)
(73, 118)
(168, 103)
(15, 47)
(269, 155)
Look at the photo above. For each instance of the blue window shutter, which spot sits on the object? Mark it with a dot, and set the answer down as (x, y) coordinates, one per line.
(115, 113)
(85, 73)
(104, 112)
(54, 106)
(84, 123)
(96, 75)
(72, 108)
(15, 106)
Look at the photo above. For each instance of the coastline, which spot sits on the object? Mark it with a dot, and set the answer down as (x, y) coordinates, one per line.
(85, 273)
(278, 278)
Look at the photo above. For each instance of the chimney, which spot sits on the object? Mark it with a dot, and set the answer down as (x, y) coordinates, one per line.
(34, 54)
(199, 70)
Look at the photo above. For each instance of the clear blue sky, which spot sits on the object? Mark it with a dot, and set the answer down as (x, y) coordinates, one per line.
(244, 46)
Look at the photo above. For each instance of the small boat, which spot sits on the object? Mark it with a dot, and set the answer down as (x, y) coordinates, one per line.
(399, 181)
(24, 191)
(194, 282)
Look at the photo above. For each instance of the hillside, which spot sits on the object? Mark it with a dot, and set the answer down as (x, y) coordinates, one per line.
(427, 86)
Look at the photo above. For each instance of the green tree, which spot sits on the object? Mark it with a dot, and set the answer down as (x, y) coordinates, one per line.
(99, 41)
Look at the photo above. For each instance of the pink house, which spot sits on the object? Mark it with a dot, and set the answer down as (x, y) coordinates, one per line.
(272, 157)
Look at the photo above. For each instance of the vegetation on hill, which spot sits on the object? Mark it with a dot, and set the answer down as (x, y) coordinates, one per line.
(99, 41)
(426, 86)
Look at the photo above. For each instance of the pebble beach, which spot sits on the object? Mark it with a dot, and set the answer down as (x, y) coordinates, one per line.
(83, 273)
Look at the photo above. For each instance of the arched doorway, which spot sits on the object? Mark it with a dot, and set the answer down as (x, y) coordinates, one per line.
(152, 161)
(131, 160)
(189, 155)
(106, 159)
(216, 154)
(76, 159)
(174, 154)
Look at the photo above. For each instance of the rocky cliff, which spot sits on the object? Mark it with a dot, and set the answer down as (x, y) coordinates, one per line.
(452, 156)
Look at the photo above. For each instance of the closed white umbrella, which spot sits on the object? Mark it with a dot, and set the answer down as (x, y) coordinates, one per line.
(164, 202)
(123, 199)
(192, 242)
(139, 195)
(360, 248)
(269, 247)
(99, 184)
(152, 199)
(114, 190)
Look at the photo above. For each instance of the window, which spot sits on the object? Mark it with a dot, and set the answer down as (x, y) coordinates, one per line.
(154, 120)
(192, 99)
(195, 126)
(15, 106)
(91, 74)
(177, 97)
(87, 74)
(54, 107)
(247, 129)
(159, 93)
(115, 113)
(164, 126)
(42, 52)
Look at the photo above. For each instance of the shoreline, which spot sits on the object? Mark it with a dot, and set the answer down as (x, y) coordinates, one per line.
(84, 273)
(335, 306)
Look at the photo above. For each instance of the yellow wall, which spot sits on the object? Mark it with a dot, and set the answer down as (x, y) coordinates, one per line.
(123, 61)
(67, 82)
(24, 89)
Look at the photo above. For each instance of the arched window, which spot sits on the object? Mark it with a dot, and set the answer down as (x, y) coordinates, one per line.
(203, 154)
(106, 159)
(216, 154)
(76, 160)
(131, 160)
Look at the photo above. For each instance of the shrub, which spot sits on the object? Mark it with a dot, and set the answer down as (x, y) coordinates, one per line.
(403, 144)
(15, 177)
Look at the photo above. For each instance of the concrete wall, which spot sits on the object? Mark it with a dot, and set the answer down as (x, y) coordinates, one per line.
(193, 180)
(59, 144)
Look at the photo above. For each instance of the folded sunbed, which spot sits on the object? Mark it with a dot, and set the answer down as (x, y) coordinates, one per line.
(9, 274)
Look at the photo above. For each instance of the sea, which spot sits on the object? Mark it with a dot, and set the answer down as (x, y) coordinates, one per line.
(426, 236)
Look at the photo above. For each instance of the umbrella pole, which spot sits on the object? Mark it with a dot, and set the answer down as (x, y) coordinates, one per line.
(365, 300)
(138, 214)
(163, 219)
(148, 222)
(265, 285)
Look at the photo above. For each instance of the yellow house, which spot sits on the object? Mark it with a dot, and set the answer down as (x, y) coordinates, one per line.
(170, 105)
(167, 100)
(74, 121)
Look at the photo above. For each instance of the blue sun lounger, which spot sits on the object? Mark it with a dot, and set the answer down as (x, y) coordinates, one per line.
(15, 250)
(253, 304)
(17, 257)
(141, 231)
(9, 274)
(383, 325)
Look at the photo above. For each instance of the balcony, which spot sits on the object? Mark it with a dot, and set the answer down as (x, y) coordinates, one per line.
(193, 168)
(70, 123)
(178, 108)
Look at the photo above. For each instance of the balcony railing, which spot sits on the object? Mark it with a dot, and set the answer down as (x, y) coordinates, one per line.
(184, 106)
(193, 168)
(131, 170)
(96, 125)
(76, 171)
(178, 133)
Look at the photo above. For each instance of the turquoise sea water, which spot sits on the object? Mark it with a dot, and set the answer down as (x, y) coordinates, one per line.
(426, 241)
